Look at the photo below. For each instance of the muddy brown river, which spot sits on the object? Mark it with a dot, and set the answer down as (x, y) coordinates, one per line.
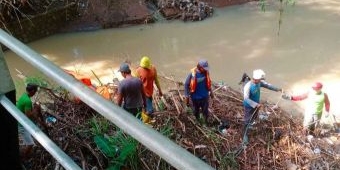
(236, 39)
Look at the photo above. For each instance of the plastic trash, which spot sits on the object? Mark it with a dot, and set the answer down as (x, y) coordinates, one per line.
(337, 130)
(263, 117)
(317, 151)
(309, 138)
(51, 119)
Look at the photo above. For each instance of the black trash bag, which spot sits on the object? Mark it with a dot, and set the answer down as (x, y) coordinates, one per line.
(244, 79)
(224, 124)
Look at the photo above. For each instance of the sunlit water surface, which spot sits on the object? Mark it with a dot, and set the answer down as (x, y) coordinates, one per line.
(236, 39)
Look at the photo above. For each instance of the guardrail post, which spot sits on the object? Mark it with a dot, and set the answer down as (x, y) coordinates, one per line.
(9, 149)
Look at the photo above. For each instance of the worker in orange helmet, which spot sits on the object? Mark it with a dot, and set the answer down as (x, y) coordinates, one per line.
(317, 100)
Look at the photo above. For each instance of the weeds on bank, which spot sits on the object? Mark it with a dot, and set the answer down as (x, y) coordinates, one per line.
(119, 148)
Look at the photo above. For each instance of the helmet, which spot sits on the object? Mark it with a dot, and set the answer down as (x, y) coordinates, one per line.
(145, 62)
(317, 86)
(258, 74)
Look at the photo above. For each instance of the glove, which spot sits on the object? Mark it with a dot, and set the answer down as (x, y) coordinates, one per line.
(286, 97)
(259, 105)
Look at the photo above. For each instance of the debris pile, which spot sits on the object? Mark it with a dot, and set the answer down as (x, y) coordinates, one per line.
(187, 10)
(275, 141)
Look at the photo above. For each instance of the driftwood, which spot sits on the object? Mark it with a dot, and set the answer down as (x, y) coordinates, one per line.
(276, 142)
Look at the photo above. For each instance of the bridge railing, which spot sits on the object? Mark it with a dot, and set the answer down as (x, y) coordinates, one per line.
(153, 140)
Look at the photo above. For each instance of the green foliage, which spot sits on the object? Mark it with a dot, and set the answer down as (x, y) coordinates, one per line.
(38, 80)
(104, 145)
(120, 148)
(99, 126)
(167, 129)
(290, 2)
(229, 162)
(263, 3)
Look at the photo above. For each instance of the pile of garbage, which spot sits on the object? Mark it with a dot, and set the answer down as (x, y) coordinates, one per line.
(276, 140)
(187, 10)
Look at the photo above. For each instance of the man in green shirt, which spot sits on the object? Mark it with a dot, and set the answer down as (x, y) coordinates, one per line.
(9, 149)
(24, 103)
(26, 106)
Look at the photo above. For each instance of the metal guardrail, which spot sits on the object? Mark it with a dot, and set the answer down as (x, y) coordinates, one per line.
(162, 146)
(46, 142)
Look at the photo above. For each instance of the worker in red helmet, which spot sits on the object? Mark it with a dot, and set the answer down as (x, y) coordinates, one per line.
(317, 101)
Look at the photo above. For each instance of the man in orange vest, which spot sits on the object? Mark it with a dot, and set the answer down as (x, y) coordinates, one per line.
(197, 87)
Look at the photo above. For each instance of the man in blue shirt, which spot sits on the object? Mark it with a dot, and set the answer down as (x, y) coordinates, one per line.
(251, 94)
(197, 87)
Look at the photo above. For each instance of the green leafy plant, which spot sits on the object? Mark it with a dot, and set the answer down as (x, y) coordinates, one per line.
(167, 129)
(121, 149)
(262, 4)
(99, 126)
(38, 80)
(229, 162)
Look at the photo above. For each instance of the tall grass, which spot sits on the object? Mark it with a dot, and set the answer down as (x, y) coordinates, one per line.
(119, 148)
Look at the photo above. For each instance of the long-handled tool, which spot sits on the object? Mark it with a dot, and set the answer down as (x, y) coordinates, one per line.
(334, 122)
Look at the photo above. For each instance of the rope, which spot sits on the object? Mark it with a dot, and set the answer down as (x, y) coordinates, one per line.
(244, 143)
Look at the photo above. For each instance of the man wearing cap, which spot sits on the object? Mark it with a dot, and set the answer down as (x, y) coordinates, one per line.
(317, 100)
(148, 74)
(251, 95)
(9, 149)
(198, 86)
(130, 90)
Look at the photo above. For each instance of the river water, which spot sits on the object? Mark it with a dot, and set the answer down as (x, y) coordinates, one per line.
(236, 39)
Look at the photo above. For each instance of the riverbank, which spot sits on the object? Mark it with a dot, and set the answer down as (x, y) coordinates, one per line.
(120, 13)
(275, 141)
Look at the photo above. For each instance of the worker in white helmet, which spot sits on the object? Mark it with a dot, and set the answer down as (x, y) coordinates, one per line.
(252, 91)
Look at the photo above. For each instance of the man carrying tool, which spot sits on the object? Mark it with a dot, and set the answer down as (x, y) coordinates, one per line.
(32, 111)
(251, 94)
(317, 100)
(198, 86)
